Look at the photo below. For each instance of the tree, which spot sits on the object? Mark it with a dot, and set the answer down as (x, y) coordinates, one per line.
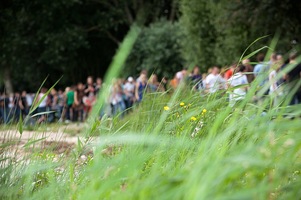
(242, 22)
(34, 42)
(74, 38)
(157, 50)
(218, 32)
(200, 33)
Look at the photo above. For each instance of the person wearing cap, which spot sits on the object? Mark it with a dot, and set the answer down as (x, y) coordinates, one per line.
(129, 90)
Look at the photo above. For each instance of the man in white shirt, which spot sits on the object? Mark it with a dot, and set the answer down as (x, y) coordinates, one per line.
(214, 81)
(181, 75)
(238, 79)
(129, 91)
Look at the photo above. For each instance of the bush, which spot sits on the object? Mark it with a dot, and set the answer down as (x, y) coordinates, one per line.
(157, 49)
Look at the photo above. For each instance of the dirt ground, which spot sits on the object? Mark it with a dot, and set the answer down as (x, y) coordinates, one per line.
(55, 140)
(58, 140)
(47, 134)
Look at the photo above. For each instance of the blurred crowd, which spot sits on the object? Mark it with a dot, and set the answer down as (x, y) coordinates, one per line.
(74, 103)
(275, 78)
(71, 104)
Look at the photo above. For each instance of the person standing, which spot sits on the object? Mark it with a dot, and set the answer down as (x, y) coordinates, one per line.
(274, 91)
(174, 83)
(116, 99)
(249, 70)
(69, 103)
(229, 73)
(29, 100)
(78, 109)
(60, 105)
(261, 71)
(24, 104)
(11, 106)
(196, 79)
(294, 78)
(42, 98)
(239, 81)
(282, 65)
(144, 71)
(52, 106)
(180, 76)
(154, 85)
(214, 82)
(140, 87)
(17, 104)
(98, 85)
(129, 91)
(89, 91)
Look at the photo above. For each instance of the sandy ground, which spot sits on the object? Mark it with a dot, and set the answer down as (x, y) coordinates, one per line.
(17, 146)
(26, 136)
(55, 140)
(58, 135)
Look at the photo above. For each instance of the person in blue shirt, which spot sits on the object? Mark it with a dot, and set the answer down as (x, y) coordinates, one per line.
(140, 87)
(261, 71)
(260, 67)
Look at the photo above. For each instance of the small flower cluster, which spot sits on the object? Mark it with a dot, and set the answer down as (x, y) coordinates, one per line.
(202, 114)
(193, 118)
(175, 114)
(182, 104)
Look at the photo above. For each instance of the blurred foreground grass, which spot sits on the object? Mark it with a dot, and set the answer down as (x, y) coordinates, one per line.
(225, 153)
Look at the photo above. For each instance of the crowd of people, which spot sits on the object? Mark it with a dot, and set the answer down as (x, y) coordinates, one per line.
(272, 77)
(71, 104)
(75, 103)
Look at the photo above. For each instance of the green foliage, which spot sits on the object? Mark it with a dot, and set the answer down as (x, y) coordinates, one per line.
(218, 31)
(76, 38)
(39, 37)
(200, 34)
(240, 23)
(157, 49)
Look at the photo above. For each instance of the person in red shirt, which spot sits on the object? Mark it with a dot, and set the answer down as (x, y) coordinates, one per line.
(230, 71)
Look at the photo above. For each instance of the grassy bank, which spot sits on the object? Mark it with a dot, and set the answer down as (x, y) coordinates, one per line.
(203, 149)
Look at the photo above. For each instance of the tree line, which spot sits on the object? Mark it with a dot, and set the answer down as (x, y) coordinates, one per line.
(77, 38)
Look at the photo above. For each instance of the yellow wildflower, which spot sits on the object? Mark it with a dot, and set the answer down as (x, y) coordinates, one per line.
(182, 104)
(193, 118)
(166, 108)
(204, 111)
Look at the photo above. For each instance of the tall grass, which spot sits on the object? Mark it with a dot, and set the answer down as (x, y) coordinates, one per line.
(251, 151)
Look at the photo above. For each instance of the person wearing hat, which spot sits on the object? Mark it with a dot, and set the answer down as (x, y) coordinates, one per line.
(129, 90)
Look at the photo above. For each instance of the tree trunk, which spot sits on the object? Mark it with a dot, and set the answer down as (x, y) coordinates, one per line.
(7, 80)
(173, 11)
